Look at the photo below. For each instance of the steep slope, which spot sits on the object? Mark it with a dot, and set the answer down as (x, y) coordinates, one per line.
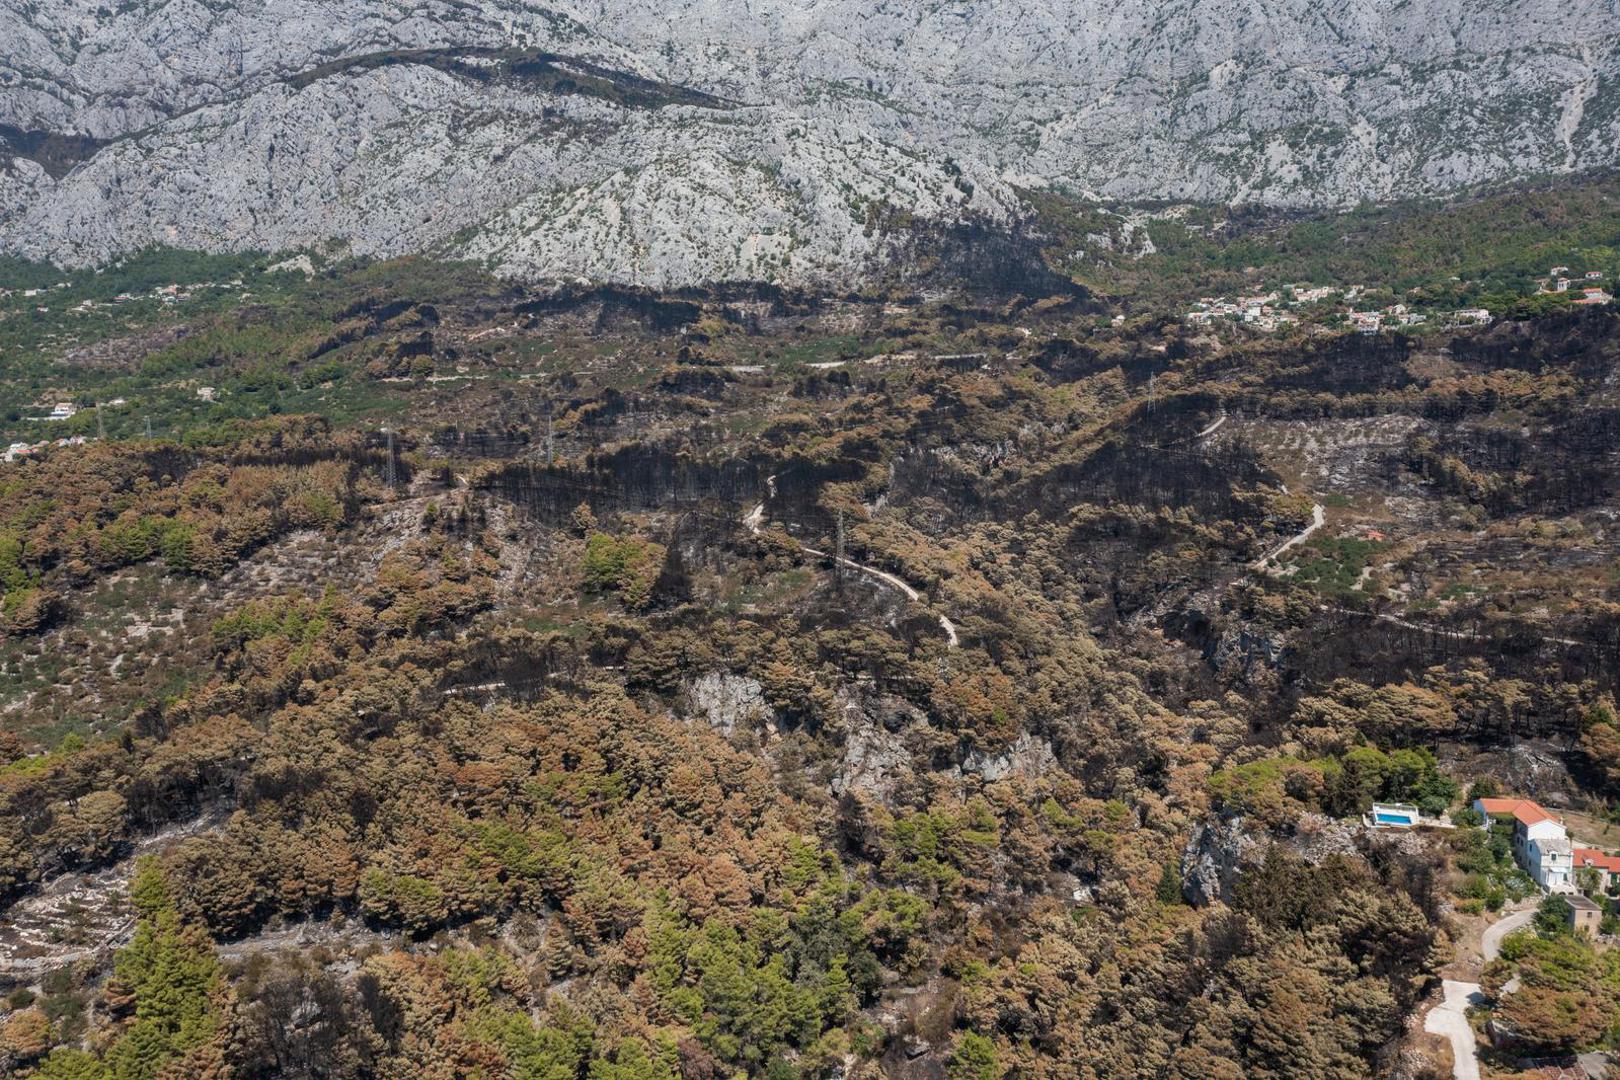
(674, 142)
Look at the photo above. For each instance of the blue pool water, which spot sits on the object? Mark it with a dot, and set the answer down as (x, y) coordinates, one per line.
(1393, 819)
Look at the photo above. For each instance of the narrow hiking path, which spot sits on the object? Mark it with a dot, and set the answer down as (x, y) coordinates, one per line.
(754, 520)
(1440, 631)
(1213, 428)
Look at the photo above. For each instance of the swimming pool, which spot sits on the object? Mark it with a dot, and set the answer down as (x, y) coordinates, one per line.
(1384, 818)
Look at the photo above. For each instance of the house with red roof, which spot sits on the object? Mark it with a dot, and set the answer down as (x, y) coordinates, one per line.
(1540, 841)
(1606, 865)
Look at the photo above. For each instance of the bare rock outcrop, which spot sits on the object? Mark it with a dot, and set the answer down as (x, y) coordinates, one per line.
(729, 702)
(1215, 854)
(614, 140)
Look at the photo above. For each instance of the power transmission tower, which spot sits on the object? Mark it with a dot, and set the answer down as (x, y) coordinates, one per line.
(838, 562)
(551, 434)
(389, 472)
(148, 429)
(101, 425)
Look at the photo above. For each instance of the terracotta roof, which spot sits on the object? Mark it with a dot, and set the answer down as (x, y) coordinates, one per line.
(1526, 811)
(1585, 856)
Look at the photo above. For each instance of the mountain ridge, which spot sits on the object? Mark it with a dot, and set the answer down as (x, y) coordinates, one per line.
(666, 144)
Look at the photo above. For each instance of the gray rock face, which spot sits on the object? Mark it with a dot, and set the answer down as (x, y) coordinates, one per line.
(1027, 756)
(727, 701)
(877, 755)
(684, 141)
(1215, 854)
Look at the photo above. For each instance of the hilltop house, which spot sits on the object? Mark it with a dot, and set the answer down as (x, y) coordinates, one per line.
(1540, 841)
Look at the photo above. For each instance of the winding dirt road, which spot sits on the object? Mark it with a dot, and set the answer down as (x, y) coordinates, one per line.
(754, 520)
(1213, 428)
(1318, 519)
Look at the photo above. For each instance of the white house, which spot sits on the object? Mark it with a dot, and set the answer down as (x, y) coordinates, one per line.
(1540, 842)
(1553, 859)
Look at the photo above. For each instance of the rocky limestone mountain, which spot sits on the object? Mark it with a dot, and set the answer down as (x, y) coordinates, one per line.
(684, 141)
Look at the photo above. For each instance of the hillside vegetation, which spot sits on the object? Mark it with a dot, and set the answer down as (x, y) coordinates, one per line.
(495, 683)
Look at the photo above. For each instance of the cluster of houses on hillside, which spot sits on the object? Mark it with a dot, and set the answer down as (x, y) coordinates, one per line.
(1589, 286)
(1259, 312)
(30, 294)
(1269, 311)
(1541, 845)
(1272, 310)
(24, 449)
(1370, 322)
(163, 294)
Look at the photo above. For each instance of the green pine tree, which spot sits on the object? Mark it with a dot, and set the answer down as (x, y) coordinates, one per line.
(170, 972)
(1169, 888)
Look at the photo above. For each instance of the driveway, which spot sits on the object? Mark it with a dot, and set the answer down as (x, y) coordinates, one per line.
(1491, 943)
(1318, 519)
(1448, 1019)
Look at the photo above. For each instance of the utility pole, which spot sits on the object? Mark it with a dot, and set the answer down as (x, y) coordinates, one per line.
(838, 562)
(1152, 400)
